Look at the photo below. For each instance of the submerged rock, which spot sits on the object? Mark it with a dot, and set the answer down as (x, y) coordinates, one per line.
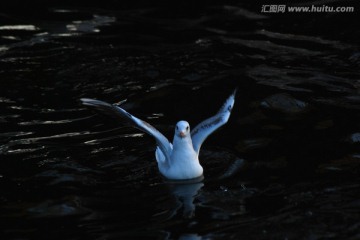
(253, 143)
(354, 138)
(60, 208)
(284, 103)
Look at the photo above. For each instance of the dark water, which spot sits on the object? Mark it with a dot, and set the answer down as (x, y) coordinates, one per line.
(286, 166)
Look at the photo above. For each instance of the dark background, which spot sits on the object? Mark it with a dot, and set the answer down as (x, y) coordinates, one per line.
(285, 166)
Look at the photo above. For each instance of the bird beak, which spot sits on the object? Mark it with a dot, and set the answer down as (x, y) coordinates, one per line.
(182, 134)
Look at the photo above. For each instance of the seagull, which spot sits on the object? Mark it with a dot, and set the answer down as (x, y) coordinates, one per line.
(178, 160)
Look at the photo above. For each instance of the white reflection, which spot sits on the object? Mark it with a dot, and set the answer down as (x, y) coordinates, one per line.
(190, 236)
(19, 27)
(185, 193)
(65, 34)
(10, 37)
(64, 11)
(90, 25)
(2, 48)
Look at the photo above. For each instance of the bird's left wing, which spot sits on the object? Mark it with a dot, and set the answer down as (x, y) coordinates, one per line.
(208, 126)
(161, 140)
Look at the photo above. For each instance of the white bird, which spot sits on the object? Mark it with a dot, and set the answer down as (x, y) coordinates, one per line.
(179, 160)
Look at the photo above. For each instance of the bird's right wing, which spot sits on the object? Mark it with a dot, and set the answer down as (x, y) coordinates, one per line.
(208, 126)
(163, 143)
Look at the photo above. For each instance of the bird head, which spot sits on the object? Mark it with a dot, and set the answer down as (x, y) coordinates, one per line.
(182, 129)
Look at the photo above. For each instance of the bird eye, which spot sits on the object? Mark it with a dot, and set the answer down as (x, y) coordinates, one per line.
(187, 128)
(177, 128)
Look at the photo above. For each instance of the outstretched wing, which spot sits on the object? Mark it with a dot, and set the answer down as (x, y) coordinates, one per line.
(161, 140)
(208, 126)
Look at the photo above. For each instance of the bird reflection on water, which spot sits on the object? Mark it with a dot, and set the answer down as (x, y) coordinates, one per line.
(185, 193)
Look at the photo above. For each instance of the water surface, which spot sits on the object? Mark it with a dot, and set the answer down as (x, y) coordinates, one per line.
(286, 166)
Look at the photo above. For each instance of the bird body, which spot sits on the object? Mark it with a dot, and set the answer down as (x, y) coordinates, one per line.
(184, 161)
(179, 160)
